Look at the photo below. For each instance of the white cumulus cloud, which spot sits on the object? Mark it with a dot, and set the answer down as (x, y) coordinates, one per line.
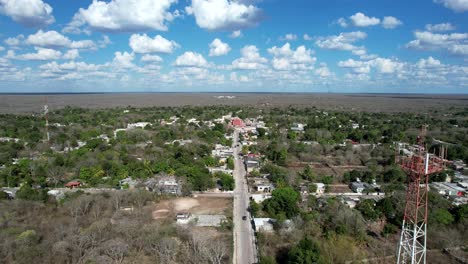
(390, 22)
(123, 60)
(40, 54)
(430, 62)
(48, 39)
(361, 20)
(323, 72)
(53, 39)
(238, 78)
(455, 5)
(343, 41)
(287, 59)
(219, 48)
(124, 16)
(442, 27)
(381, 65)
(14, 41)
(289, 37)
(250, 59)
(29, 13)
(71, 54)
(459, 49)
(145, 44)
(151, 58)
(455, 43)
(226, 15)
(191, 59)
(306, 37)
(236, 34)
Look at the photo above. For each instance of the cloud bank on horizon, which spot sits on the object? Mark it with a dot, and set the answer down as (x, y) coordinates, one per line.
(234, 45)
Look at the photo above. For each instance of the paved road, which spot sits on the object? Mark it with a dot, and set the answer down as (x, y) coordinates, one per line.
(244, 248)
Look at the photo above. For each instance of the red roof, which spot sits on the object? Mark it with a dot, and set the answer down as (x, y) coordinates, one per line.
(73, 184)
(237, 122)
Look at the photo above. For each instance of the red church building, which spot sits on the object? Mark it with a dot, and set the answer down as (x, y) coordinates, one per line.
(237, 122)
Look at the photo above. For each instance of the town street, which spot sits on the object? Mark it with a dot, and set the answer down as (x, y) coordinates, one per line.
(244, 247)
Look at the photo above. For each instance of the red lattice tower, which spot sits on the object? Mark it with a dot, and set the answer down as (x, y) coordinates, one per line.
(418, 165)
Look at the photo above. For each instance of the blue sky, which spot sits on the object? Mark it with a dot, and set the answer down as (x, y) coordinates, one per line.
(234, 45)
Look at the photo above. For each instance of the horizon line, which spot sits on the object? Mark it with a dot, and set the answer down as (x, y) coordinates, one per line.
(217, 92)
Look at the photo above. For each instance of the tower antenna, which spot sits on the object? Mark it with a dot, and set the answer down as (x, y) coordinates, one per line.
(418, 165)
(46, 117)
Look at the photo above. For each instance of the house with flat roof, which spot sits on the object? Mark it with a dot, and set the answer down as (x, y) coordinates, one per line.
(260, 197)
(138, 125)
(358, 187)
(298, 127)
(265, 187)
(449, 189)
(264, 224)
(320, 188)
(128, 183)
(164, 184)
(183, 218)
(251, 163)
(222, 151)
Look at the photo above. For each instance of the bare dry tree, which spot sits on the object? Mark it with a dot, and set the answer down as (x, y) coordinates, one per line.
(116, 249)
(166, 250)
(117, 199)
(216, 250)
(81, 243)
(98, 209)
(55, 174)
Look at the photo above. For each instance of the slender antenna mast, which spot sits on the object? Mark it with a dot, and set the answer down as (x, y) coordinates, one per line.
(46, 117)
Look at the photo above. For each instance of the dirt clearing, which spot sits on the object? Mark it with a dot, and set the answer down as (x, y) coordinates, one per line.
(198, 205)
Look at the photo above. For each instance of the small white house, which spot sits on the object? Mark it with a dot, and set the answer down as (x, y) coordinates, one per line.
(264, 224)
(358, 187)
(56, 193)
(138, 125)
(320, 188)
(265, 187)
(350, 202)
(298, 127)
(183, 218)
(260, 197)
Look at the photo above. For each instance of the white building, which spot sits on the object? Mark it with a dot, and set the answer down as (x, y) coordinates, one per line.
(183, 218)
(320, 188)
(298, 127)
(222, 151)
(8, 139)
(260, 197)
(351, 202)
(138, 125)
(449, 189)
(57, 194)
(264, 224)
(265, 187)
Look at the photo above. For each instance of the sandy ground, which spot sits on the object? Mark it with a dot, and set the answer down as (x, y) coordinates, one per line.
(28, 103)
(199, 205)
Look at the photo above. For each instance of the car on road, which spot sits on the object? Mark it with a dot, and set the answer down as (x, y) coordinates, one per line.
(244, 217)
